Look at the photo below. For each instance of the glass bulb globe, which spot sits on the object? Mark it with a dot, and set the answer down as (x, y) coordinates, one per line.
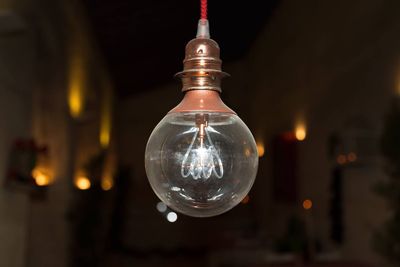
(201, 159)
(201, 163)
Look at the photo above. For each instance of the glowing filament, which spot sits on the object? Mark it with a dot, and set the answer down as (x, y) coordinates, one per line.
(201, 160)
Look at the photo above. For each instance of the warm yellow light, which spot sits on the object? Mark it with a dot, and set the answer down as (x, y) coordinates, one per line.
(42, 180)
(41, 177)
(260, 149)
(76, 87)
(307, 204)
(104, 136)
(106, 118)
(300, 132)
(82, 183)
(75, 101)
(36, 172)
(107, 183)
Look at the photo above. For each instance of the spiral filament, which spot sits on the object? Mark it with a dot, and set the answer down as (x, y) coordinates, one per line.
(202, 159)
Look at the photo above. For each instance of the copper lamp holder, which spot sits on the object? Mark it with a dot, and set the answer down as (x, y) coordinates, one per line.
(202, 64)
(202, 74)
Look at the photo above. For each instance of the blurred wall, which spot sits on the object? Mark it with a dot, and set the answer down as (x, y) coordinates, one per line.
(37, 39)
(16, 56)
(334, 65)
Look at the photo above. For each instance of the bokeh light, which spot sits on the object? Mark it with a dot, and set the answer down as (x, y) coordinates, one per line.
(300, 132)
(107, 183)
(161, 207)
(172, 216)
(307, 204)
(260, 148)
(83, 183)
(42, 177)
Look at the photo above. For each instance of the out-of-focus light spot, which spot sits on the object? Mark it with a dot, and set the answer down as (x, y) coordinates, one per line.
(106, 118)
(104, 136)
(247, 152)
(76, 88)
(161, 207)
(75, 101)
(246, 200)
(172, 216)
(300, 132)
(260, 149)
(107, 183)
(351, 157)
(42, 178)
(341, 159)
(82, 183)
(307, 204)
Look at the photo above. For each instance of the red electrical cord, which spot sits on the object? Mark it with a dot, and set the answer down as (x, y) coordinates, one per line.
(203, 9)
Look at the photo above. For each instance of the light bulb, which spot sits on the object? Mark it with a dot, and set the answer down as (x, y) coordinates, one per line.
(201, 159)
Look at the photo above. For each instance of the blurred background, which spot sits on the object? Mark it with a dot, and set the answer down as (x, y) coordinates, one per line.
(83, 83)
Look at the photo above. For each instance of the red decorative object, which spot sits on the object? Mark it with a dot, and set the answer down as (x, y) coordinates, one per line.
(285, 168)
(22, 160)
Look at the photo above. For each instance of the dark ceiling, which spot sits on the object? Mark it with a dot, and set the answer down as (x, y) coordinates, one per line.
(143, 41)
